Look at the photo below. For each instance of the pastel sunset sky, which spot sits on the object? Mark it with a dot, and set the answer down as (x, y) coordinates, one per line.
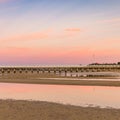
(55, 32)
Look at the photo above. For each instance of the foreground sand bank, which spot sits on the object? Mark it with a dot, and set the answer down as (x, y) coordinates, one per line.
(64, 81)
(31, 110)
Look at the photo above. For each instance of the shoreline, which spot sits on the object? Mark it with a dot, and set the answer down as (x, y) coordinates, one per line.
(34, 110)
(85, 82)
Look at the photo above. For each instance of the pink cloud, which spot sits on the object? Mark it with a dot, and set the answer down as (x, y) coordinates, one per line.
(113, 41)
(50, 55)
(43, 55)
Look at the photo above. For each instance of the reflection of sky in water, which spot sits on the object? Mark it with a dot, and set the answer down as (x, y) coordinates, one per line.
(75, 95)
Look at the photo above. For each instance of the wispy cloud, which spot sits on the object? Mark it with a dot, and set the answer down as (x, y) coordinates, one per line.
(30, 36)
(114, 20)
(73, 29)
(48, 34)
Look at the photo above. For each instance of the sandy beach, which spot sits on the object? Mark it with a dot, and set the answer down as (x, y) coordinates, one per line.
(39, 110)
(31, 110)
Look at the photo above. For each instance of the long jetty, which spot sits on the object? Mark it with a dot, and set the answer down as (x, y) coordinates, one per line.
(59, 69)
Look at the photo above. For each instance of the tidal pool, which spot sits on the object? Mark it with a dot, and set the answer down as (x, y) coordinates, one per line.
(66, 94)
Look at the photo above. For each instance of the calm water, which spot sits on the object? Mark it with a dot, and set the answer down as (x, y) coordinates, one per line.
(74, 95)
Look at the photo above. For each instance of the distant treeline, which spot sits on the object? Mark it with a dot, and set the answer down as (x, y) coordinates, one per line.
(105, 63)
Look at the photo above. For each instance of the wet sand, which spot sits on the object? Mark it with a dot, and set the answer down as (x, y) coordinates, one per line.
(63, 81)
(31, 110)
(59, 80)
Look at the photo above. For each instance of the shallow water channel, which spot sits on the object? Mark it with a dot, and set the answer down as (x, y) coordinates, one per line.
(93, 74)
(66, 94)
